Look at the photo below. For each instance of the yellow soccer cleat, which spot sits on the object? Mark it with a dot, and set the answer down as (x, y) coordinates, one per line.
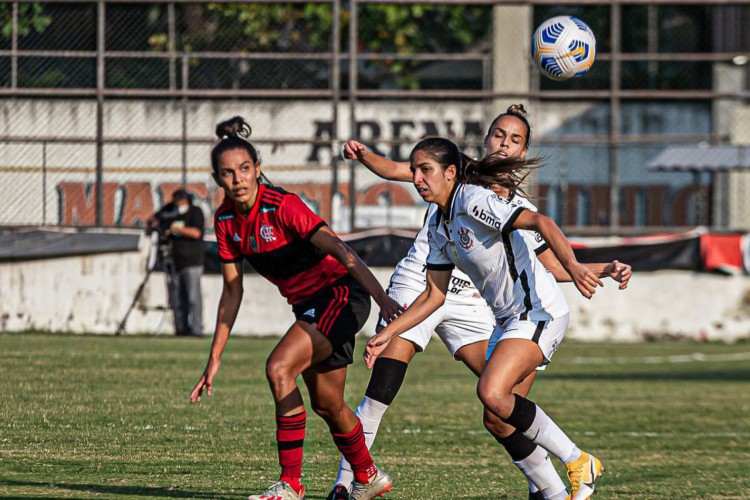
(583, 473)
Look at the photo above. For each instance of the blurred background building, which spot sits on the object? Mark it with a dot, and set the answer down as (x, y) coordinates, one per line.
(107, 107)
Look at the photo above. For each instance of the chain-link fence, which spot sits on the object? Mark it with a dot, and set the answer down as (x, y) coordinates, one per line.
(108, 107)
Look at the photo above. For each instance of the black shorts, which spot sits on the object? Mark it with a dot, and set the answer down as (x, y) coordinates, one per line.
(340, 310)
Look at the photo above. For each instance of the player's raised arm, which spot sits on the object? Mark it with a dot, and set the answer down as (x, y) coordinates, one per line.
(379, 165)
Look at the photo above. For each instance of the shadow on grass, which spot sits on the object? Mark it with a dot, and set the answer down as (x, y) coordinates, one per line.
(739, 374)
(136, 491)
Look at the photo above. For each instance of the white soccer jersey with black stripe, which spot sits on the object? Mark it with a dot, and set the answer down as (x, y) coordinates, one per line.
(477, 237)
(411, 273)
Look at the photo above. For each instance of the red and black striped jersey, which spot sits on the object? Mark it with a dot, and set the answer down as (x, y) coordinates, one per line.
(275, 240)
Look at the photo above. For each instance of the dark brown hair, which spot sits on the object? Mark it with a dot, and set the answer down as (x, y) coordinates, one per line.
(509, 173)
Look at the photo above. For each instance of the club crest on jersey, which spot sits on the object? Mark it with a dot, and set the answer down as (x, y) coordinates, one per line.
(266, 232)
(465, 238)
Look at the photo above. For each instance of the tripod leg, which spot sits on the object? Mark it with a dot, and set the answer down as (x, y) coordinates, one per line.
(136, 297)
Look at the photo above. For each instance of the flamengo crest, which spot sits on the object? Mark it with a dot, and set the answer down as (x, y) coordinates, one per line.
(464, 238)
(266, 232)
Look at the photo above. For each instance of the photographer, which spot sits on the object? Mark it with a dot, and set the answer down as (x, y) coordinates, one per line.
(181, 225)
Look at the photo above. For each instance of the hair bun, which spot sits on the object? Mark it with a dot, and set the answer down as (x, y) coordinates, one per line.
(517, 109)
(233, 127)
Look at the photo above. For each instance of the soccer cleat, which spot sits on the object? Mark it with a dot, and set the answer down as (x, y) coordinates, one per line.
(377, 486)
(280, 490)
(536, 495)
(339, 492)
(583, 473)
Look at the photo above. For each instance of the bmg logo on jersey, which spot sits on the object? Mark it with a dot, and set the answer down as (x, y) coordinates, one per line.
(266, 232)
(465, 238)
(483, 216)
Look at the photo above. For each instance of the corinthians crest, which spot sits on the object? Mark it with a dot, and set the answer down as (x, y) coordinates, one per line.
(465, 238)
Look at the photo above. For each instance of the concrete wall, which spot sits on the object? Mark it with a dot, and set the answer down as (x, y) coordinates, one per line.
(91, 295)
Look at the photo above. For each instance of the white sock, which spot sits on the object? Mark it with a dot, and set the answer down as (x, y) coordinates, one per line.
(542, 475)
(547, 434)
(370, 413)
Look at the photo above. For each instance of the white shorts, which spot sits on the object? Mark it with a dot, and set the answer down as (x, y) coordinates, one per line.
(456, 323)
(546, 334)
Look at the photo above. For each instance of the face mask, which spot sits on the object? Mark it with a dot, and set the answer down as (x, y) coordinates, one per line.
(182, 209)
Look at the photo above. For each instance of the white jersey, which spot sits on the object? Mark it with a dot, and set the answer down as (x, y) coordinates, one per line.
(411, 272)
(478, 238)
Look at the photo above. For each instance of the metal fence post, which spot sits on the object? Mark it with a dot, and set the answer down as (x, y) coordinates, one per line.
(14, 48)
(100, 83)
(353, 40)
(614, 123)
(336, 99)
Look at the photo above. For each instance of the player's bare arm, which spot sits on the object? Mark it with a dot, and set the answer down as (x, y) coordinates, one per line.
(229, 306)
(425, 304)
(325, 239)
(379, 165)
(584, 279)
(616, 270)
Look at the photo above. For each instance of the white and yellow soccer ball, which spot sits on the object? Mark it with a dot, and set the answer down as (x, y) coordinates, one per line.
(563, 47)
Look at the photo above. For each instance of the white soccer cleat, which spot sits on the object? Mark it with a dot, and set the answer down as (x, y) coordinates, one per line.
(378, 485)
(280, 490)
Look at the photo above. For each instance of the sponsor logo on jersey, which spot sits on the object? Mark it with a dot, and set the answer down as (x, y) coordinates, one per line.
(226, 217)
(253, 244)
(465, 238)
(236, 237)
(483, 216)
(310, 313)
(502, 199)
(266, 232)
(538, 237)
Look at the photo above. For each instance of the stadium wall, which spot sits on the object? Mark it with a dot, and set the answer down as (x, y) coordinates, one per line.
(91, 294)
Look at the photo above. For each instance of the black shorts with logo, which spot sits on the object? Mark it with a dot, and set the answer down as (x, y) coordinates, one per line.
(340, 311)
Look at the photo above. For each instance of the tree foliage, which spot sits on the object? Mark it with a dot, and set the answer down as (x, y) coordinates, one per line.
(30, 17)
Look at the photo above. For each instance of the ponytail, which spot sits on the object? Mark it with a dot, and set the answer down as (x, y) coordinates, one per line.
(493, 169)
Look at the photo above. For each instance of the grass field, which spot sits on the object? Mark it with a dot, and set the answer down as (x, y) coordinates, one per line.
(104, 417)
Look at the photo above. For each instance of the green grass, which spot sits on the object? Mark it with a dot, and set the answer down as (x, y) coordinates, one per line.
(104, 417)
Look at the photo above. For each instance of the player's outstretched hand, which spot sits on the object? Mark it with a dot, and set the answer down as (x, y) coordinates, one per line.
(354, 150)
(206, 382)
(375, 346)
(390, 309)
(619, 272)
(585, 280)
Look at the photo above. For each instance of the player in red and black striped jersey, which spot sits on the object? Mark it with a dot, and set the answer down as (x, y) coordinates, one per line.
(327, 285)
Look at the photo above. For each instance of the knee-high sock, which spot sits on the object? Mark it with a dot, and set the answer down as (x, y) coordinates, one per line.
(540, 472)
(370, 413)
(533, 462)
(352, 446)
(537, 426)
(387, 376)
(290, 438)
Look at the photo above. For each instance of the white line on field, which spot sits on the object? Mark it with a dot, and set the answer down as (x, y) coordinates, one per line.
(695, 357)
(665, 435)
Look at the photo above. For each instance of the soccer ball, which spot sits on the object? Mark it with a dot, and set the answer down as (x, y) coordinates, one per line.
(563, 47)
